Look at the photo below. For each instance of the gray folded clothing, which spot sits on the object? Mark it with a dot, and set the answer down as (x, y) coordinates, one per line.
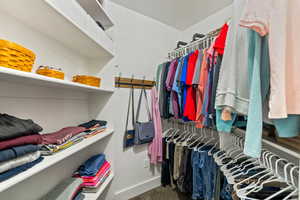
(66, 190)
(7, 165)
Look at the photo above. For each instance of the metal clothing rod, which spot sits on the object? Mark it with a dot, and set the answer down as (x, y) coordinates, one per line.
(202, 43)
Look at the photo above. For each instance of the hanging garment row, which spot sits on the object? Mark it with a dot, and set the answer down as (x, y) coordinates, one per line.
(193, 163)
(241, 79)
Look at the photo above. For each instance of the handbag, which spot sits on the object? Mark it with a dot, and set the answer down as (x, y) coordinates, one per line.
(129, 134)
(144, 131)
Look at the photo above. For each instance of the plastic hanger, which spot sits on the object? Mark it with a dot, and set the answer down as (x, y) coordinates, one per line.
(190, 136)
(197, 140)
(290, 187)
(210, 152)
(258, 165)
(170, 136)
(220, 154)
(181, 135)
(211, 139)
(266, 171)
(260, 185)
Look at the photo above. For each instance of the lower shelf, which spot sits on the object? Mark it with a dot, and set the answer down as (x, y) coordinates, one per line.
(95, 196)
(53, 159)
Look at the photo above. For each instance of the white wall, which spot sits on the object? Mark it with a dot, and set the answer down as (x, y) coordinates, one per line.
(211, 23)
(141, 44)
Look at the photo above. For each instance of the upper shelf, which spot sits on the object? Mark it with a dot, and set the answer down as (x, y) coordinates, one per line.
(64, 21)
(7, 74)
(97, 12)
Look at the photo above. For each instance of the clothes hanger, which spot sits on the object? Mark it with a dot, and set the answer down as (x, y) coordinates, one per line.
(273, 178)
(239, 166)
(193, 136)
(235, 148)
(211, 139)
(201, 139)
(178, 134)
(226, 150)
(230, 171)
(184, 134)
(210, 152)
(290, 187)
(266, 171)
(215, 146)
(190, 146)
(170, 136)
(293, 183)
(260, 185)
(258, 164)
(233, 174)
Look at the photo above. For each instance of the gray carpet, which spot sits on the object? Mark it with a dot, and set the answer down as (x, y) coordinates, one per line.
(162, 193)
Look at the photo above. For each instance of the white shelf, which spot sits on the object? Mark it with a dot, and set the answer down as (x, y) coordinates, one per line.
(64, 21)
(95, 196)
(30, 78)
(52, 160)
(281, 148)
(97, 12)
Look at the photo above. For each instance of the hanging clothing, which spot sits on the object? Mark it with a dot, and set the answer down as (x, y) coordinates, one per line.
(183, 84)
(155, 147)
(194, 173)
(169, 83)
(233, 87)
(176, 91)
(282, 16)
(190, 105)
(200, 90)
(259, 65)
(158, 79)
(164, 94)
(196, 77)
(284, 66)
(220, 41)
(216, 72)
(206, 112)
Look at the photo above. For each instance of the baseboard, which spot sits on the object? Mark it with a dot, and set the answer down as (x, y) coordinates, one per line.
(137, 189)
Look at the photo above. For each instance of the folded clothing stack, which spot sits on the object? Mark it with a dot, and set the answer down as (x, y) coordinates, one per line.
(93, 173)
(67, 137)
(19, 150)
(90, 175)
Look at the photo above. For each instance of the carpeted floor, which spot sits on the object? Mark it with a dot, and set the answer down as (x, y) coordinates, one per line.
(162, 193)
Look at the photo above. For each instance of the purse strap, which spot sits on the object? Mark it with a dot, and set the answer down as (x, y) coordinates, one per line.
(143, 92)
(130, 104)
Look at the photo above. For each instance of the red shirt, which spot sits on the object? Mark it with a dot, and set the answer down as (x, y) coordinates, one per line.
(191, 68)
(190, 105)
(221, 40)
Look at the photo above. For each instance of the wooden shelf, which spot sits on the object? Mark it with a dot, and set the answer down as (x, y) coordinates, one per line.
(97, 12)
(52, 160)
(29, 78)
(66, 22)
(95, 196)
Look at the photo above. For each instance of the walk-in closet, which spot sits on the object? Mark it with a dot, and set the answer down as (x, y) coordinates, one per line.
(149, 100)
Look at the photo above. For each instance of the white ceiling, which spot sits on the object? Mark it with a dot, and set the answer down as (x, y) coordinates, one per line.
(180, 14)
